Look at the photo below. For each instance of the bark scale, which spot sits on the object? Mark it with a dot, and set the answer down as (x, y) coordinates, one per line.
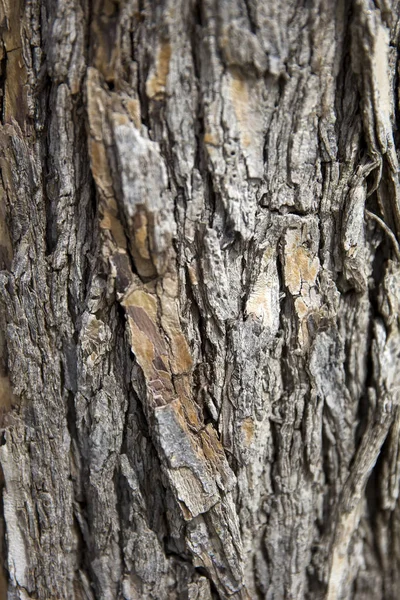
(199, 349)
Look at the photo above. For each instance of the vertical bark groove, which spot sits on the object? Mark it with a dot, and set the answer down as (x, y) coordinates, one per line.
(199, 299)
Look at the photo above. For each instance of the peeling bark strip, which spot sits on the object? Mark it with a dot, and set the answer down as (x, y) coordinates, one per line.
(199, 300)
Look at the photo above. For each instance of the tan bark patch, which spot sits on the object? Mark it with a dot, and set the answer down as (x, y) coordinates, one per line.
(155, 85)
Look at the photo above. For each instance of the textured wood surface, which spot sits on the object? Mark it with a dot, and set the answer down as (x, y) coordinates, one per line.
(199, 300)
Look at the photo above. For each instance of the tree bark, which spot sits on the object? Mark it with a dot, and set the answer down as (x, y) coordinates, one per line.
(199, 299)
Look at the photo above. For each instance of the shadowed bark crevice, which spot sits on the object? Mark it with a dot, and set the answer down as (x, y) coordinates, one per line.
(199, 367)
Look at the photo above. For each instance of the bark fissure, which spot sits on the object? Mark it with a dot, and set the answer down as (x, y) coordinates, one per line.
(199, 244)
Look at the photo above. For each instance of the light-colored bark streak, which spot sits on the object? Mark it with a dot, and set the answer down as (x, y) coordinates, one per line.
(199, 300)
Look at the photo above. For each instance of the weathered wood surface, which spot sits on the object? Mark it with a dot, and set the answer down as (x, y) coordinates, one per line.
(199, 299)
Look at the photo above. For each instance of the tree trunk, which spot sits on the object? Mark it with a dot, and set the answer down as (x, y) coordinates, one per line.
(200, 346)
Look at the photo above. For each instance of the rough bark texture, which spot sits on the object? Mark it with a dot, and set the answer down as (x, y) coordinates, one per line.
(200, 346)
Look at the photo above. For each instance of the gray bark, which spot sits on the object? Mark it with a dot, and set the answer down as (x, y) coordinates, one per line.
(199, 299)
